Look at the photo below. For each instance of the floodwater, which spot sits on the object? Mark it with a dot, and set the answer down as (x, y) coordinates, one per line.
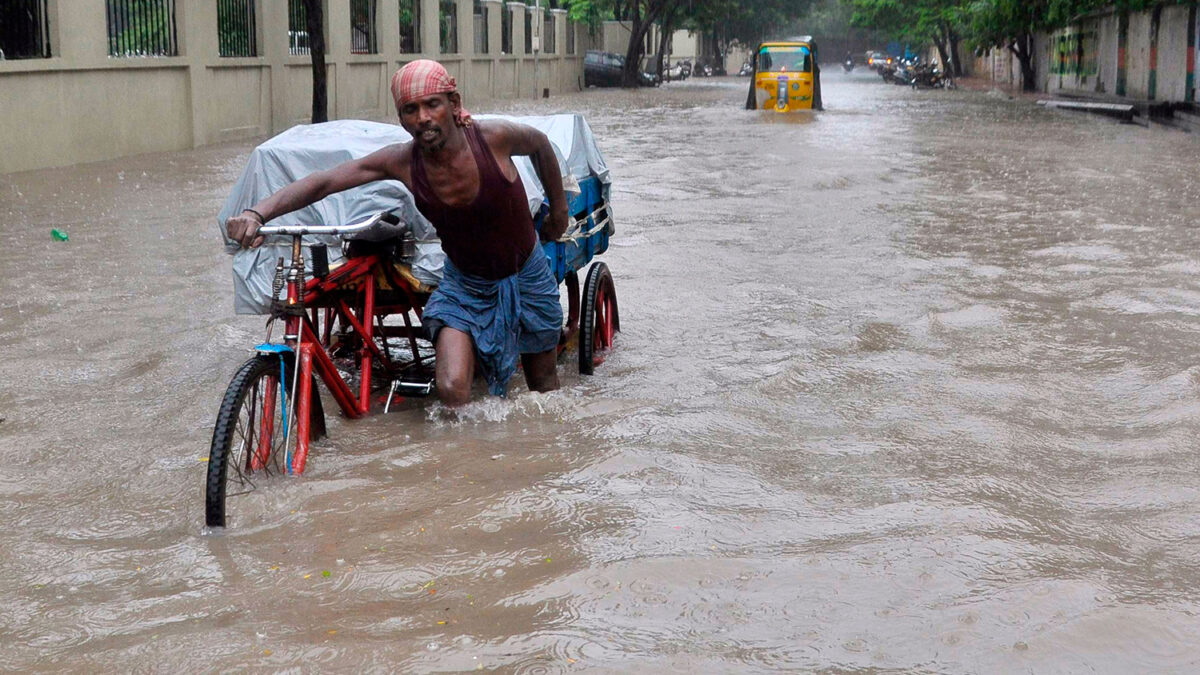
(913, 384)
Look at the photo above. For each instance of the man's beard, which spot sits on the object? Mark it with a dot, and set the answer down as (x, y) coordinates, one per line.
(433, 144)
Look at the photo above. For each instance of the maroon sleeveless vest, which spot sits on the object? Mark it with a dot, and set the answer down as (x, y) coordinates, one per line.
(492, 236)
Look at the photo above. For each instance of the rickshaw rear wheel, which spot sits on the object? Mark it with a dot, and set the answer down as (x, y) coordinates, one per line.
(600, 320)
(248, 438)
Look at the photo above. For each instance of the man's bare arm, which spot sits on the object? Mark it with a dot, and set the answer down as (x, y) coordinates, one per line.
(525, 140)
(379, 165)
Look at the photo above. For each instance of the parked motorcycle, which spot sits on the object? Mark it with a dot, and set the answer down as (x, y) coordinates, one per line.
(904, 74)
(746, 69)
(675, 72)
(929, 75)
(926, 76)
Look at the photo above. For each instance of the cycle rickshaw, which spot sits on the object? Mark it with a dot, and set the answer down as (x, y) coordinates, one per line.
(349, 298)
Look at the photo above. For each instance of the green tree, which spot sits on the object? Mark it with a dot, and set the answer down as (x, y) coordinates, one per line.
(939, 22)
(752, 21)
(727, 21)
(591, 13)
(1011, 24)
(641, 15)
(748, 22)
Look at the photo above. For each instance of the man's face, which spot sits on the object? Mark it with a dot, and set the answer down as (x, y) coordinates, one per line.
(429, 119)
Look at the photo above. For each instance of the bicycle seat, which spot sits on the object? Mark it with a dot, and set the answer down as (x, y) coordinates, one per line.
(384, 237)
(390, 249)
(386, 227)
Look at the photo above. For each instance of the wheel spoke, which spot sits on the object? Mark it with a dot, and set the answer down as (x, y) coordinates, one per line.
(256, 446)
(248, 442)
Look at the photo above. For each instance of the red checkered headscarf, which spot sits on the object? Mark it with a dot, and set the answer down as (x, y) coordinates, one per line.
(422, 78)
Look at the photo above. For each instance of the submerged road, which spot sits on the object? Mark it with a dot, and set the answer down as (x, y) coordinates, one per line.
(913, 383)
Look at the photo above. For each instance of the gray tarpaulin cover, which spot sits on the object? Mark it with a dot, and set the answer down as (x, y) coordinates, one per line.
(304, 149)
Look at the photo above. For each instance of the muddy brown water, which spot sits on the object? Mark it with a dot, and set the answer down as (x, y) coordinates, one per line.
(911, 384)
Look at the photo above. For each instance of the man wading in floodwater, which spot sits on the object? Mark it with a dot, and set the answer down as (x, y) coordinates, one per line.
(498, 297)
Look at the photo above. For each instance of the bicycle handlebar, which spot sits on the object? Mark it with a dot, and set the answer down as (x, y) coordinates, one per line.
(297, 230)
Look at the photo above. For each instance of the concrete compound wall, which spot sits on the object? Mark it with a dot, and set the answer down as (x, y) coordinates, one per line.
(1161, 47)
(82, 105)
(614, 37)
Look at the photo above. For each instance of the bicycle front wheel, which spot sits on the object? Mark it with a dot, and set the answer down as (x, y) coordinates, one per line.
(251, 440)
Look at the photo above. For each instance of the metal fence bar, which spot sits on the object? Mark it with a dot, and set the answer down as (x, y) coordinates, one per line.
(45, 30)
(116, 28)
(374, 46)
(479, 23)
(153, 19)
(111, 15)
(126, 26)
(131, 26)
(505, 29)
(151, 41)
(448, 28)
(174, 30)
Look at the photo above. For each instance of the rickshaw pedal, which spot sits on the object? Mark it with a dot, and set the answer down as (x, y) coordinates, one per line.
(406, 388)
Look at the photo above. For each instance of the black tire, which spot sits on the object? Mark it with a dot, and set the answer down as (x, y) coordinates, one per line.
(599, 318)
(231, 468)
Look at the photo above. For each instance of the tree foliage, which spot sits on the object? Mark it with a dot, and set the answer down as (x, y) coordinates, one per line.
(752, 21)
(726, 21)
(1005, 24)
(940, 22)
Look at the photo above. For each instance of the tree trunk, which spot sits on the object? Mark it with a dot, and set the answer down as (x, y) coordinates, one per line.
(939, 41)
(1022, 48)
(663, 40)
(316, 47)
(953, 39)
(631, 77)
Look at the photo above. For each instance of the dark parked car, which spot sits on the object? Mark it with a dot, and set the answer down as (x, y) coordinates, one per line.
(603, 69)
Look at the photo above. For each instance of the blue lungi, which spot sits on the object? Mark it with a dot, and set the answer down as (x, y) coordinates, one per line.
(504, 317)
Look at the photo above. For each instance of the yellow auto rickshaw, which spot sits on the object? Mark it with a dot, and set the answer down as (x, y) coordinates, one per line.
(786, 76)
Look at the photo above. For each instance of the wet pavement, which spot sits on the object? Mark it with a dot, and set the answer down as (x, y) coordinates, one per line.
(909, 384)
